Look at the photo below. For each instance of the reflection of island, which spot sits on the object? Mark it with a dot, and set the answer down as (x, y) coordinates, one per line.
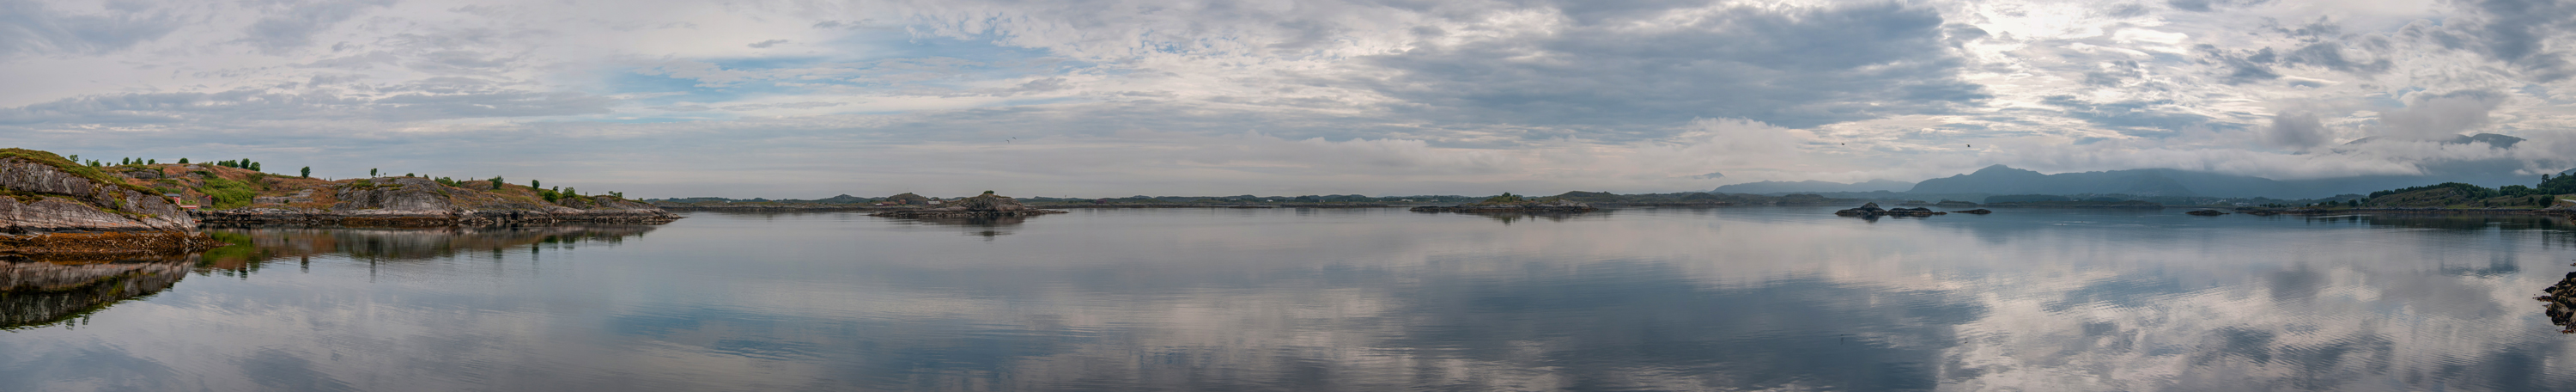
(1509, 217)
(983, 225)
(42, 292)
(2561, 300)
(252, 245)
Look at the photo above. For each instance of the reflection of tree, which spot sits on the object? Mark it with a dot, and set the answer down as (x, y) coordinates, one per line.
(2562, 303)
(258, 244)
(42, 292)
(2459, 222)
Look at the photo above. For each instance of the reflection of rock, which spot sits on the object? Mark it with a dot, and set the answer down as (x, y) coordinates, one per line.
(1509, 217)
(1871, 210)
(985, 205)
(2562, 303)
(40, 292)
(259, 244)
(2206, 212)
(1980, 211)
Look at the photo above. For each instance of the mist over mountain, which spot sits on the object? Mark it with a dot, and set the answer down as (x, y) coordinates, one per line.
(1814, 186)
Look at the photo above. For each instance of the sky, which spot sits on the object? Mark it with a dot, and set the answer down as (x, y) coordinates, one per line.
(1106, 98)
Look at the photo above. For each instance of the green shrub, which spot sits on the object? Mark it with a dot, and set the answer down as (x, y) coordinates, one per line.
(229, 194)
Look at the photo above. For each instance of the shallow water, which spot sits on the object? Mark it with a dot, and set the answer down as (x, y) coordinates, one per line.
(1297, 299)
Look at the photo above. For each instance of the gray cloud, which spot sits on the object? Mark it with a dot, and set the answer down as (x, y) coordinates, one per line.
(766, 44)
(240, 107)
(2296, 130)
(293, 27)
(1797, 68)
(2441, 116)
(2245, 66)
(29, 27)
(2212, 5)
(2137, 118)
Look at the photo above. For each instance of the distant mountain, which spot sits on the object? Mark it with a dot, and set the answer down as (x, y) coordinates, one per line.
(2005, 180)
(1814, 186)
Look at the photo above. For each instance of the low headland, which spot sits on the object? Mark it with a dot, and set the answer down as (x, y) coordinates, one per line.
(60, 207)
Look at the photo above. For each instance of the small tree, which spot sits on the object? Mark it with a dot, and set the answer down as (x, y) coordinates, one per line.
(371, 172)
(496, 183)
(254, 166)
(152, 161)
(308, 172)
(183, 161)
(75, 158)
(533, 184)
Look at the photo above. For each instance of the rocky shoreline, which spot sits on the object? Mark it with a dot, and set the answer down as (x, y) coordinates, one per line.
(55, 207)
(49, 205)
(310, 217)
(421, 202)
(2561, 307)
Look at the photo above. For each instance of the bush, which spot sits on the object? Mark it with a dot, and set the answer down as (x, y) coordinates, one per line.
(228, 193)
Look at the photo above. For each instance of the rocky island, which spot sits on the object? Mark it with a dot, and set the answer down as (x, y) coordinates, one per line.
(985, 205)
(1871, 210)
(56, 206)
(1510, 203)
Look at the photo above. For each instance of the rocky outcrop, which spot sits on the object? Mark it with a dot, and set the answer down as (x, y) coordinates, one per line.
(985, 205)
(2561, 307)
(421, 202)
(54, 206)
(1871, 210)
(1517, 206)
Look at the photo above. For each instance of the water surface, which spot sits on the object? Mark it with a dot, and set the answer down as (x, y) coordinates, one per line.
(1300, 299)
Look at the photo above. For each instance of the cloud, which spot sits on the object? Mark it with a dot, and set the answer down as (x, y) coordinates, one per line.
(766, 44)
(2441, 116)
(30, 27)
(1597, 66)
(291, 24)
(2297, 131)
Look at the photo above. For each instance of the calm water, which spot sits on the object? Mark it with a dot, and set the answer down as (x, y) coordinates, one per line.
(1288, 299)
